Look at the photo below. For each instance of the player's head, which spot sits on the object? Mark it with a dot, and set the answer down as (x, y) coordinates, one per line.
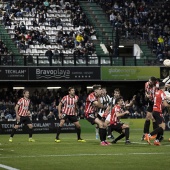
(161, 85)
(104, 91)
(97, 89)
(116, 93)
(26, 93)
(119, 101)
(71, 91)
(152, 81)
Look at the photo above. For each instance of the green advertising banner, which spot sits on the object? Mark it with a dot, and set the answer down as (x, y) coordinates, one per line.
(129, 72)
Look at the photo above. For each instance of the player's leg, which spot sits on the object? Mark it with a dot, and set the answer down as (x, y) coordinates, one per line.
(126, 131)
(13, 132)
(118, 129)
(78, 128)
(30, 133)
(97, 131)
(62, 121)
(16, 126)
(158, 131)
(102, 131)
(147, 124)
(109, 133)
(148, 118)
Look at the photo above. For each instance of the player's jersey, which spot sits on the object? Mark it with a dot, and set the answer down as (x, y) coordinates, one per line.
(105, 101)
(166, 80)
(23, 106)
(69, 104)
(168, 95)
(158, 99)
(89, 108)
(113, 118)
(150, 91)
(113, 101)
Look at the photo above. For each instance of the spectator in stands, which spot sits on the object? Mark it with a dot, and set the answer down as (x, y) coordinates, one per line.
(58, 22)
(161, 41)
(49, 54)
(22, 44)
(56, 55)
(46, 3)
(23, 28)
(92, 31)
(79, 39)
(112, 19)
(159, 53)
(51, 116)
(75, 22)
(35, 23)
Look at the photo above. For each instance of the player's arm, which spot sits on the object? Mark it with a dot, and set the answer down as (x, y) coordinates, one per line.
(76, 109)
(59, 110)
(16, 111)
(98, 103)
(131, 102)
(118, 114)
(167, 85)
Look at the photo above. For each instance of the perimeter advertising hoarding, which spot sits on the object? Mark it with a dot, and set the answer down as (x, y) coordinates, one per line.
(39, 127)
(13, 73)
(49, 73)
(129, 73)
(64, 73)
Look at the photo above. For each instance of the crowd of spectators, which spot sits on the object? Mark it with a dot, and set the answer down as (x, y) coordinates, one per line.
(5, 54)
(44, 104)
(37, 34)
(142, 19)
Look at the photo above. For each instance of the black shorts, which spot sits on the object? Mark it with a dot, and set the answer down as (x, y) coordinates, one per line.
(150, 106)
(91, 118)
(158, 117)
(117, 127)
(71, 118)
(24, 120)
(101, 118)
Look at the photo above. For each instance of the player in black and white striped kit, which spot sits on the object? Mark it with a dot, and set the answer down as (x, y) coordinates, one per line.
(105, 101)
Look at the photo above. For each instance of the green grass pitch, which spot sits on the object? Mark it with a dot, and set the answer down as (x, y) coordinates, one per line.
(45, 154)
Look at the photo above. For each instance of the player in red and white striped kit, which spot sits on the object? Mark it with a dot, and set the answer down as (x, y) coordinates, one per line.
(160, 101)
(113, 120)
(150, 89)
(93, 103)
(69, 111)
(23, 115)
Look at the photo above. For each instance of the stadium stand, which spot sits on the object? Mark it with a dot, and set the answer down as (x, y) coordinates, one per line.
(145, 21)
(41, 25)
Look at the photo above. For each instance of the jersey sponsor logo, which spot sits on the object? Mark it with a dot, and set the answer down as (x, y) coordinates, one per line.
(91, 115)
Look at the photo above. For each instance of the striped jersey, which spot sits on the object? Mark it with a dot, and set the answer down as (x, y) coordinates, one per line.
(89, 107)
(150, 91)
(69, 103)
(113, 118)
(23, 106)
(166, 80)
(105, 101)
(158, 99)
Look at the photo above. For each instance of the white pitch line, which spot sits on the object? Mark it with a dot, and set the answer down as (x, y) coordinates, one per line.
(77, 155)
(7, 167)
